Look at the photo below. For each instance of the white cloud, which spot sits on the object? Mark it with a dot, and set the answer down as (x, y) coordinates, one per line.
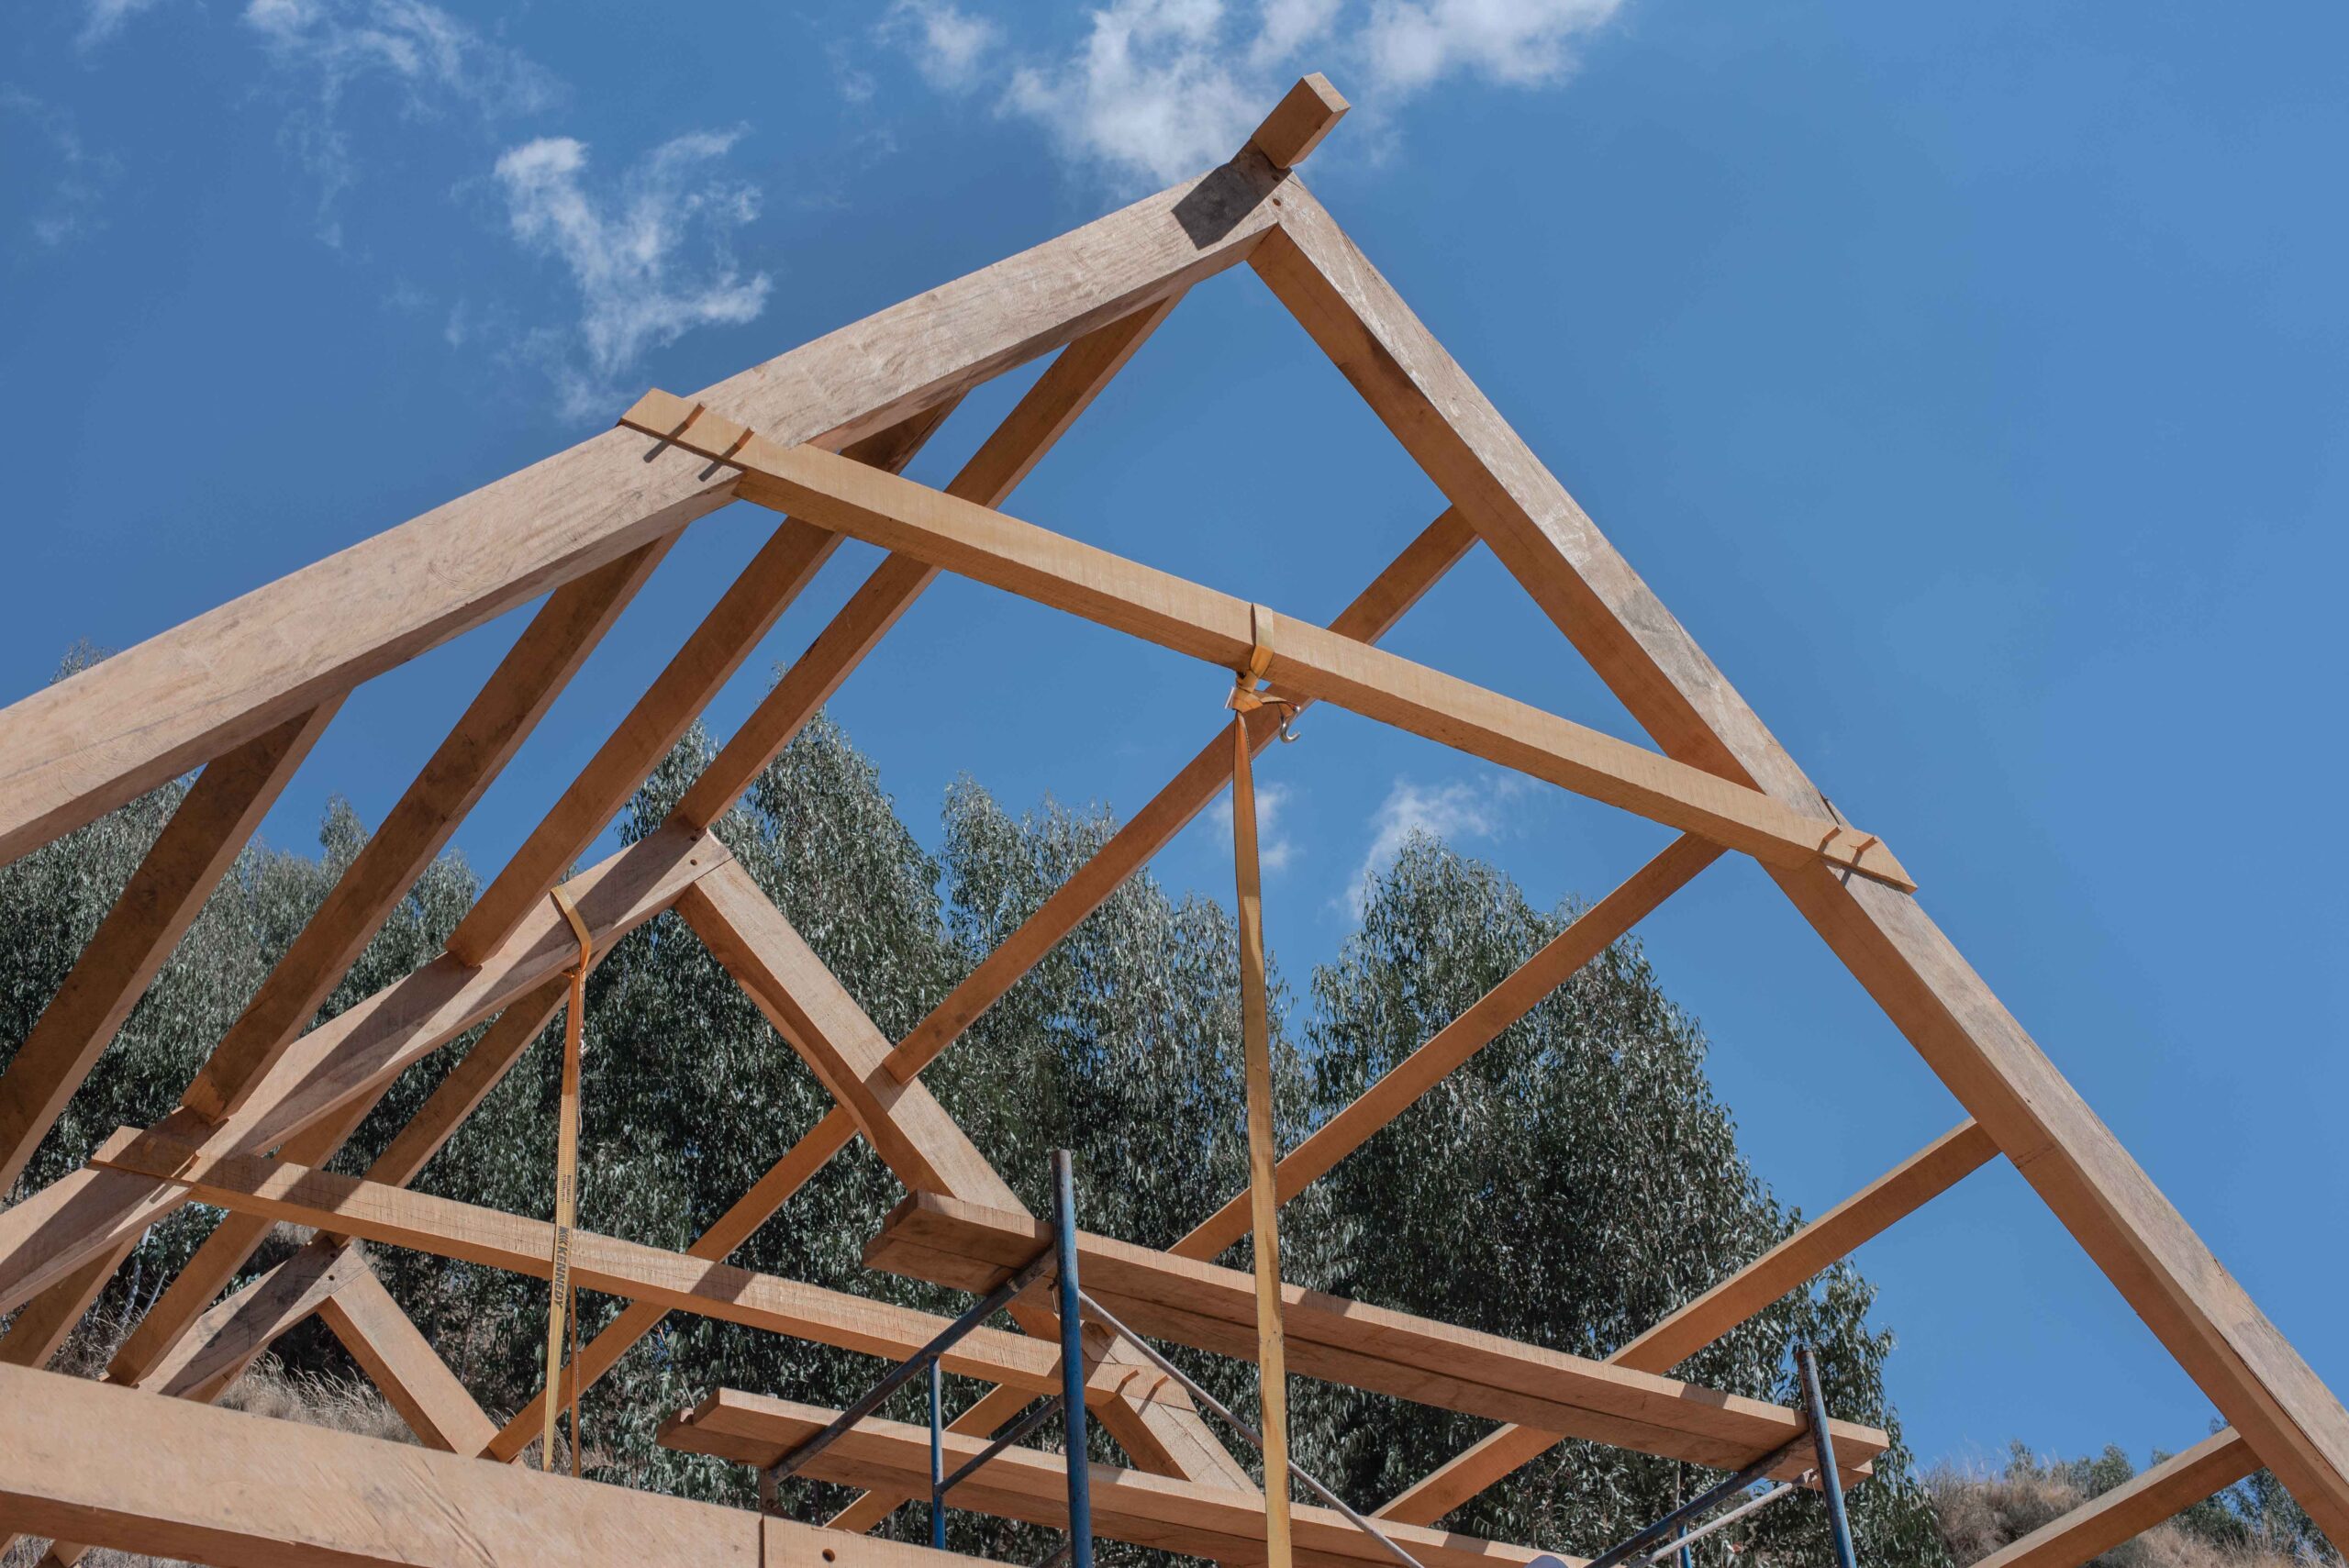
(1410, 44)
(101, 19)
(1463, 809)
(625, 250)
(1274, 850)
(72, 189)
(428, 58)
(948, 43)
(1154, 90)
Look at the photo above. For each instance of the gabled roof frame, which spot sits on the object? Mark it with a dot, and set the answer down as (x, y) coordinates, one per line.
(244, 691)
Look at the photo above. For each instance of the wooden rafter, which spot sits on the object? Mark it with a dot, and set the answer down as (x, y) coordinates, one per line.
(2206, 1320)
(355, 1053)
(209, 827)
(2160, 1492)
(87, 744)
(837, 417)
(1900, 1192)
(1604, 922)
(914, 1137)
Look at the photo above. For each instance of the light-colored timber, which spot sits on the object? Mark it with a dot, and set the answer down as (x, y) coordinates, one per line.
(1517, 994)
(399, 1216)
(2160, 1492)
(165, 893)
(404, 1366)
(247, 1492)
(1193, 1303)
(242, 691)
(1896, 1195)
(1157, 606)
(1216, 1523)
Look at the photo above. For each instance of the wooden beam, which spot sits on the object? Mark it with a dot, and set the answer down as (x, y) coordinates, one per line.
(1010, 454)
(1868, 1213)
(2206, 1320)
(403, 1364)
(164, 894)
(729, 1230)
(352, 1205)
(517, 696)
(1371, 614)
(1263, 1208)
(87, 744)
(1310, 111)
(355, 1053)
(181, 1480)
(949, 1242)
(2134, 1506)
(1517, 994)
(728, 635)
(177, 1316)
(812, 1010)
(1181, 1517)
(916, 1139)
(988, 546)
(38, 1331)
(232, 1335)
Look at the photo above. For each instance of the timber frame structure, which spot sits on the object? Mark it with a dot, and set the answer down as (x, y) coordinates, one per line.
(141, 1463)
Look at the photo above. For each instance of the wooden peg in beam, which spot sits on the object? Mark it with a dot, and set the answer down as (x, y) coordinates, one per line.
(1300, 121)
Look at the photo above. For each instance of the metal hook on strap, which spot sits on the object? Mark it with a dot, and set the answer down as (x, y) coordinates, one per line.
(1245, 697)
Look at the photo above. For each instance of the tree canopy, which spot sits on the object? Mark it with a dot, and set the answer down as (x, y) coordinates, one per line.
(1569, 1186)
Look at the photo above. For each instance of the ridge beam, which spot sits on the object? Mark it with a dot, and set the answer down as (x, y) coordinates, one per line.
(1035, 563)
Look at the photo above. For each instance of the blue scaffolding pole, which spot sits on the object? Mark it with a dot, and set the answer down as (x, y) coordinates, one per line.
(1059, 1259)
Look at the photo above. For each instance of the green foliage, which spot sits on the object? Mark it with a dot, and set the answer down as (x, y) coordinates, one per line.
(1569, 1186)
(2254, 1518)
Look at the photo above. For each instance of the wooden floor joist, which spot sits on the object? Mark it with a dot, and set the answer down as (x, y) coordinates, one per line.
(1182, 1517)
(1193, 1303)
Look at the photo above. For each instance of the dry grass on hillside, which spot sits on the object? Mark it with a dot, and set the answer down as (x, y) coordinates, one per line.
(1981, 1510)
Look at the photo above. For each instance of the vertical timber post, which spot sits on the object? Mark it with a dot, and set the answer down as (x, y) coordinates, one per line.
(1263, 1200)
(1080, 1479)
(1831, 1486)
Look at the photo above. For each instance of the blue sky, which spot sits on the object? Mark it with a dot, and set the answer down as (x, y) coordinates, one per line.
(1970, 379)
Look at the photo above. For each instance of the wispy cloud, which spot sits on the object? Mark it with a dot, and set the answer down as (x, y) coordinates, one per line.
(1274, 850)
(629, 250)
(101, 19)
(71, 192)
(1157, 89)
(1462, 808)
(949, 44)
(427, 58)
